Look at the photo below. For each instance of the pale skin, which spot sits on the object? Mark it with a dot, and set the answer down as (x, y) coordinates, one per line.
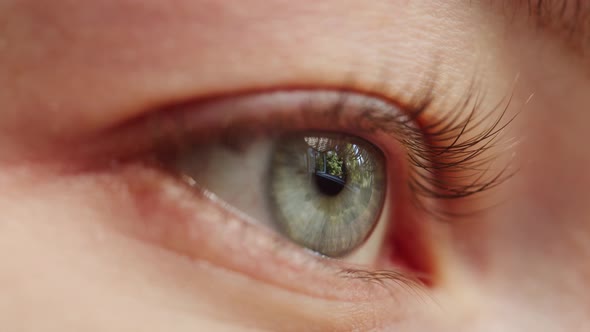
(71, 69)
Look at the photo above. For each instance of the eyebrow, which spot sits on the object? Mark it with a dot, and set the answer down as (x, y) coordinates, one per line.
(568, 20)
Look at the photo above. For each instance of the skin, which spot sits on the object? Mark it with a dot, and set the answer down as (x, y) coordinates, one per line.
(73, 249)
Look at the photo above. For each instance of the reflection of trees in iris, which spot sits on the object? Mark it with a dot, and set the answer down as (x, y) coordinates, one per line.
(339, 157)
(359, 164)
(334, 164)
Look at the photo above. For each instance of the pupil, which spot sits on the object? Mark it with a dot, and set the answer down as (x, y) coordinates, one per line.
(330, 173)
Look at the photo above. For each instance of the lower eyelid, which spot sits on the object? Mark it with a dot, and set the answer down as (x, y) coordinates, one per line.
(171, 215)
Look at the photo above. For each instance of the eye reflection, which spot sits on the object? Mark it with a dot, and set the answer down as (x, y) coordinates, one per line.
(327, 191)
(326, 164)
(323, 191)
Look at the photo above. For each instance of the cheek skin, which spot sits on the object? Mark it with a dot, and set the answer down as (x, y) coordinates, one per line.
(82, 275)
(90, 266)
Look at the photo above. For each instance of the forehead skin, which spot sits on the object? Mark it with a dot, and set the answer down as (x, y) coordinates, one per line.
(72, 68)
(114, 58)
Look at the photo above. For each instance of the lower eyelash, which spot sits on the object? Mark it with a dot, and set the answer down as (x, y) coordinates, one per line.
(382, 278)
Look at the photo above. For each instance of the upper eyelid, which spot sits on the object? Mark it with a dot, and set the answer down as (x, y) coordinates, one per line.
(451, 144)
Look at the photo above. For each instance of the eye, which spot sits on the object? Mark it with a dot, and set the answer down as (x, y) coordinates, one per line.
(324, 191)
(258, 183)
(317, 168)
(302, 164)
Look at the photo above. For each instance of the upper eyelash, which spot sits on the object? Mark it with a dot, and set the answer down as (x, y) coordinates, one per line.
(449, 145)
(448, 155)
(455, 150)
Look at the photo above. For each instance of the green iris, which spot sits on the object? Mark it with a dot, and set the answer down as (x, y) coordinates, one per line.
(326, 190)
